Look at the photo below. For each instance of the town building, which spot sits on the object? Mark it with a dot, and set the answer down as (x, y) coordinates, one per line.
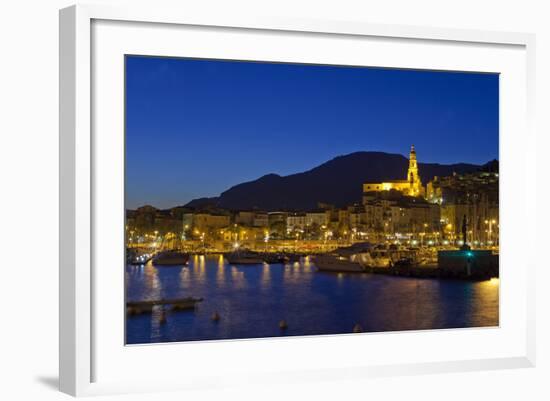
(252, 219)
(148, 220)
(392, 212)
(296, 221)
(277, 217)
(261, 220)
(318, 218)
(357, 217)
(474, 196)
(245, 218)
(205, 222)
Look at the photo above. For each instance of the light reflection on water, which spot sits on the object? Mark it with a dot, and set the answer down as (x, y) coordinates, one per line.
(252, 299)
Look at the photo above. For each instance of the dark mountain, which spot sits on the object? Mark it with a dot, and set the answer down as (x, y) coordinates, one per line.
(338, 182)
(490, 167)
(203, 203)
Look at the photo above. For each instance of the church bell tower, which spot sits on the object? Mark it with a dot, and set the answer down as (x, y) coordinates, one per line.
(412, 174)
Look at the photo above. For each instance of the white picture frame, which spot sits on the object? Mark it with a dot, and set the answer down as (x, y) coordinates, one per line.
(79, 346)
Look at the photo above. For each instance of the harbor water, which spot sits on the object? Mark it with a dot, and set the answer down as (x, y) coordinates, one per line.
(251, 300)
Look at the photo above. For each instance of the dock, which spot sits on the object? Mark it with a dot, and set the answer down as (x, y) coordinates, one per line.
(178, 304)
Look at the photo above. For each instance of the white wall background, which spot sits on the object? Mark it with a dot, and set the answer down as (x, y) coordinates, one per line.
(29, 199)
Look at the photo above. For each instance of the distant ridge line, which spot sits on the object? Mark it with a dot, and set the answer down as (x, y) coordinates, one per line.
(336, 182)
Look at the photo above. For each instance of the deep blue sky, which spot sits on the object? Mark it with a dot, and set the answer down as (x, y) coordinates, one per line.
(196, 127)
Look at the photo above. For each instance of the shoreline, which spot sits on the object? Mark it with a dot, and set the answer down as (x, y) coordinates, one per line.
(431, 271)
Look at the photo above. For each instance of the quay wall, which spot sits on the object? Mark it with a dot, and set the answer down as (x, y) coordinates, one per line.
(468, 262)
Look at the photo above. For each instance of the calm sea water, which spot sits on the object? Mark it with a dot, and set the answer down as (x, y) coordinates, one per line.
(252, 299)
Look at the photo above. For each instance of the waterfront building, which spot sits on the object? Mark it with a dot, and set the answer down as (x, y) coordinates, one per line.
(411, 186)
(261, 220)
(392, 212)
(187, 220)
(424, 217)
(277, 224)
(277, 217)
(245, 218)
(474, 195)
(148, 219)
(343, 219)
(251, 219)
(203, 222)
(142, 220)
(227, 235)
(337, 221)
(296, 221)
(244, 234)
(208, 220)
(357, 217)
(274, 217)
(168, 221)
(317, 218)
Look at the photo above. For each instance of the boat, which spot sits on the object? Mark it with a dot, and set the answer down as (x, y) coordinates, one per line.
(354, 249)
(364, 259)
(177, 304)
(380, 257)
(136, 258)
(336, 263)
(405, 263)
(171, 258)
(377, 258)
(244, 257)
(292, 257)
(274, 258)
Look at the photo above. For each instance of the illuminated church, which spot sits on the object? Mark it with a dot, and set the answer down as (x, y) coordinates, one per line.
(412, 186)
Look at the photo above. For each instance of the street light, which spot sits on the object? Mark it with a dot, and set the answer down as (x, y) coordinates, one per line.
(490, 223)
(266, 239)
(203, 243)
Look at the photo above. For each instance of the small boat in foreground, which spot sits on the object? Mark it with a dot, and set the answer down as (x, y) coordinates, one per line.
(177, 304)
(335, 263)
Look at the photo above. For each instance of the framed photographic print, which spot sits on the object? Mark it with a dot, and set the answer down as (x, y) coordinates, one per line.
(284, 196)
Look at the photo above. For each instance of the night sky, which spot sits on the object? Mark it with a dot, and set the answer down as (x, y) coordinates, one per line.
(194, 127)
